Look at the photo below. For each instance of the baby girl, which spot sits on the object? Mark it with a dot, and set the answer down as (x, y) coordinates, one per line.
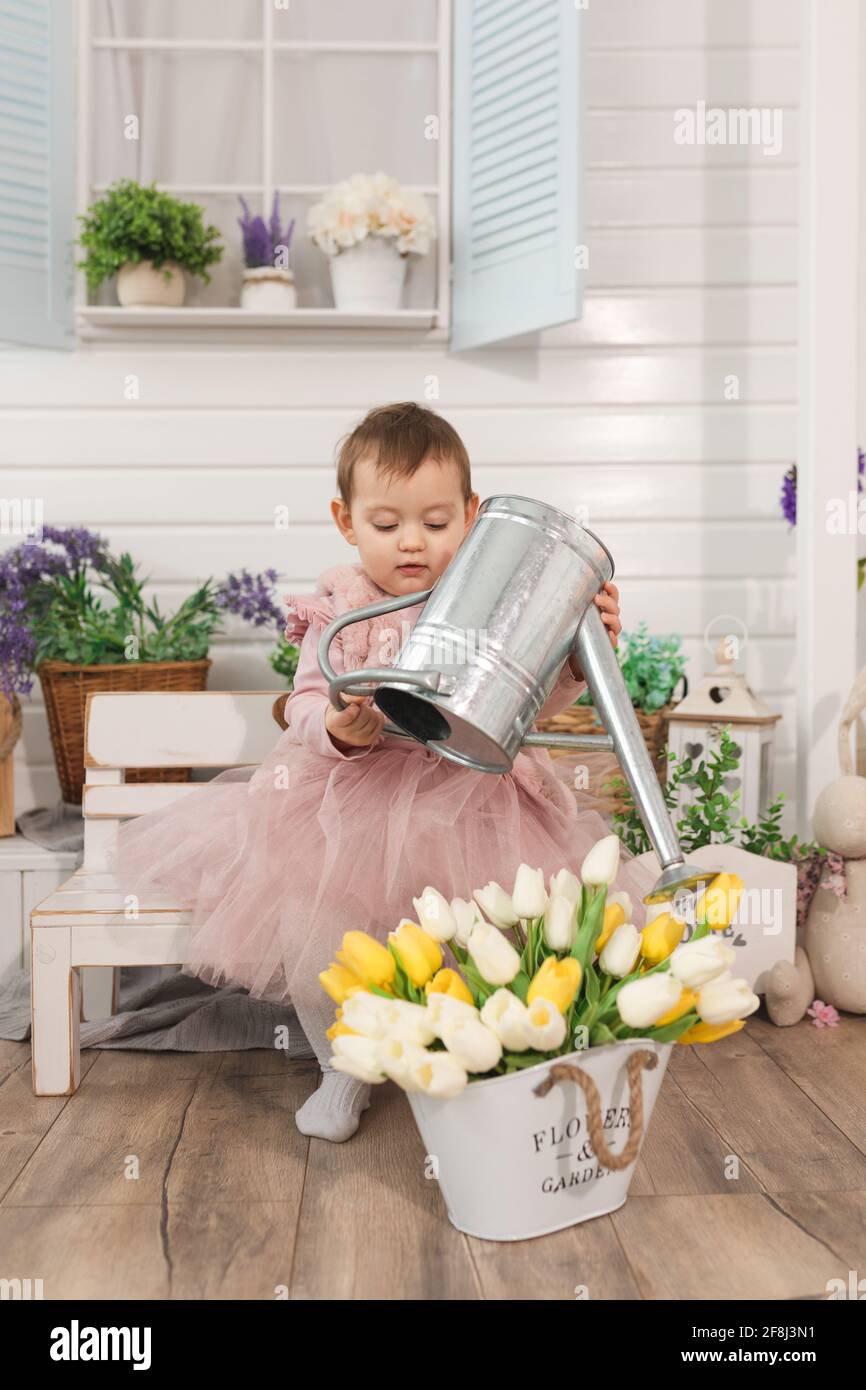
(344, 823)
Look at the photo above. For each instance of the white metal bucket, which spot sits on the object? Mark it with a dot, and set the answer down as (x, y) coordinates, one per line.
(513, 1164)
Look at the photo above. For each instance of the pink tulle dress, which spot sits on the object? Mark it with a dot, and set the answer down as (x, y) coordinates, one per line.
(318, 841)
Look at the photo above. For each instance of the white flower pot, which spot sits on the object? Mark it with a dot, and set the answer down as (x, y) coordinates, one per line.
(513, 1165)
(141, 286)
(269, 290)
(368, 276)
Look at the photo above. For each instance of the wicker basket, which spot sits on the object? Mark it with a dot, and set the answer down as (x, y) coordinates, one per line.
(65, 688)
(10, 732)
(602, 764)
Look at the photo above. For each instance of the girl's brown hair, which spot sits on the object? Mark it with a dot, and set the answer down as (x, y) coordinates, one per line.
(399, 437)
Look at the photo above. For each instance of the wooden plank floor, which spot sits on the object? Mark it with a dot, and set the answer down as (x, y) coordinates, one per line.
(182, 1175)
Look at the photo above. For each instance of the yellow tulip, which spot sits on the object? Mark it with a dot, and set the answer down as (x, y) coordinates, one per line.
(450, 983)
(338, 1030)
(419, 954)
(367, 958)
(339, 982)
(555, 980)
(660, 936)
(614, 916)
(716, 907)
(711, 1032)
(687, 1002)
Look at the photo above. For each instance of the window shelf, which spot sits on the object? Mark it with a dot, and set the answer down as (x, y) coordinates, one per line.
(110, 317)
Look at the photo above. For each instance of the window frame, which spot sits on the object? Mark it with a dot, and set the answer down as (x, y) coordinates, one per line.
(101, 321)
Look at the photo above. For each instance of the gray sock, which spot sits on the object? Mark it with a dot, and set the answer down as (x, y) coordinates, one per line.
(300, 1049)
(334, 1110)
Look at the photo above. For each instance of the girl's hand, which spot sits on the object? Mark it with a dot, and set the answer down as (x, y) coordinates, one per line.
(608, 602)
(357, 725)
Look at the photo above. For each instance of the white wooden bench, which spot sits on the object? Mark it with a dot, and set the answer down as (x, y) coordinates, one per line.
(84, 931)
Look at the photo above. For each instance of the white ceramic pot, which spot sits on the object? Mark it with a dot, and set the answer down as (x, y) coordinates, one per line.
(268, 289)
(369, 275)
(141, 286)
(513, 1164)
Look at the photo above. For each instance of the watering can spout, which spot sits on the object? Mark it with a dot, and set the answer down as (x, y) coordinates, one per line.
(604, 679)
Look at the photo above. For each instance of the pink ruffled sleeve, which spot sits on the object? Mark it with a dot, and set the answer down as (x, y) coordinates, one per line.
(309, 702)
(563, 694)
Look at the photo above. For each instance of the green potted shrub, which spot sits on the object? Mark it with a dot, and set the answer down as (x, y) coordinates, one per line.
(147, 239)
(74, 614)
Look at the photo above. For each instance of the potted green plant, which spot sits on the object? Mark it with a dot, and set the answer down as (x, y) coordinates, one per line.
(651, 667)
(147, 239)
(54, 622)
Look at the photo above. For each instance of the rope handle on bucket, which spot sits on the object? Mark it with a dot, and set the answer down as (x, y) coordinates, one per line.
(567, 1071)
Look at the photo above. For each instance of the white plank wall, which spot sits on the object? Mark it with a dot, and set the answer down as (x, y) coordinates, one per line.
(692, 280)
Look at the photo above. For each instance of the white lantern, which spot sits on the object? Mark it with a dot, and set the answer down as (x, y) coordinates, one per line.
(694, 731)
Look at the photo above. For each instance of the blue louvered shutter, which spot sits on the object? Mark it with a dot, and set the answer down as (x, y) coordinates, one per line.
(516, 161)
(37, 171)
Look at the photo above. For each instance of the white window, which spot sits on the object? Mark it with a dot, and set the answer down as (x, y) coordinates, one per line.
(212, 100)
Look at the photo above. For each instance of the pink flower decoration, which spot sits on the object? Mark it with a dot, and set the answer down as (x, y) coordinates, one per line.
(823, 1015)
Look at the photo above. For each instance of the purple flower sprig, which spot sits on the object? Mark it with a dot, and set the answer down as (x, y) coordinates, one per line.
(250, 598)
(260, 240)
(788, 495)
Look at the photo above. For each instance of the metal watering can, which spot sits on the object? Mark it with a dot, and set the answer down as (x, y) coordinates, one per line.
(487, 649)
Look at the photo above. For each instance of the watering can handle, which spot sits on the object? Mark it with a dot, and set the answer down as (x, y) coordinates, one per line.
(567, 1071)
(422, 680)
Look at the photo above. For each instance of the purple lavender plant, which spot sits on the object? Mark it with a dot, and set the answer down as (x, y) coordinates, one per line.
(261, 241)
(48, 610)
(788, 495)
(28, 580)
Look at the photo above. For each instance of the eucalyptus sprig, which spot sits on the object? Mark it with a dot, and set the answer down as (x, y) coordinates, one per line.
(710, 817)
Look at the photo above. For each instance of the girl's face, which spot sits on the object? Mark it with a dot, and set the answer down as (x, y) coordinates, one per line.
(406, 529)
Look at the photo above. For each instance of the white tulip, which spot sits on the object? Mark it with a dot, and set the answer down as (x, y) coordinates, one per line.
(624, 901)
(442, 1008)
(621, 951)
(529, 898)
(435, 915)
(375, 1017)
(559, 924)
(476, 1047)
(398, 1058)
(565, 885)
(641, 1002)
(466, 914)
(439, 1075)
(602, 862)
(493, 954)
(545, 1026)
(508, 1017)
(409, 1022)
(358, 1057)
(695, 963)
(367, 1014)
(724, 999)
(494, 900)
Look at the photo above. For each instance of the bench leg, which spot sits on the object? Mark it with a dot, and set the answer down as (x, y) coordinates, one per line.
(99, 985)
(55, 1001)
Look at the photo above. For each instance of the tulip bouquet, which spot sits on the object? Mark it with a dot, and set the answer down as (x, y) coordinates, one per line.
(536, 975)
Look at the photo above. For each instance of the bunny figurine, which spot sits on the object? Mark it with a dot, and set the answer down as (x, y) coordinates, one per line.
(831, 963)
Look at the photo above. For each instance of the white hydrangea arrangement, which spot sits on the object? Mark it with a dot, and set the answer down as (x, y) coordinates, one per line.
(371, 205)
